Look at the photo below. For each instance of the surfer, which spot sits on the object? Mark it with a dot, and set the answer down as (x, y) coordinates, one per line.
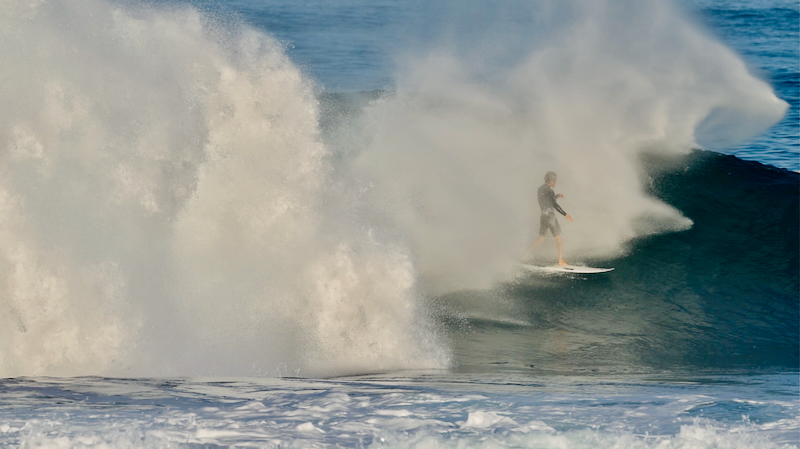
(549, 207)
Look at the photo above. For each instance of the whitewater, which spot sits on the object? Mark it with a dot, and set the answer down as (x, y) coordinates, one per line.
(298, 225)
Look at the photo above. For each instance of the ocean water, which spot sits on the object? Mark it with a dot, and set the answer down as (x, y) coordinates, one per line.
(297, 224)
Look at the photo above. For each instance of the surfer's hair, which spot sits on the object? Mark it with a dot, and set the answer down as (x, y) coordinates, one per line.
(550, 177)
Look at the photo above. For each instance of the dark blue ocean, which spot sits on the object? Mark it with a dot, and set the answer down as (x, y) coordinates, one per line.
(264, 223)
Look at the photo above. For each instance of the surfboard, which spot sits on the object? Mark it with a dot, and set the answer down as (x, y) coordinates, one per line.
(577, 269)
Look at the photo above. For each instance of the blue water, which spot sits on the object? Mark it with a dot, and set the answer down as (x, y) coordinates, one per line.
(154, 228)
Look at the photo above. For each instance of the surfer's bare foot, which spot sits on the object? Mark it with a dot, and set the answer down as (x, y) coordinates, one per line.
(561, 263)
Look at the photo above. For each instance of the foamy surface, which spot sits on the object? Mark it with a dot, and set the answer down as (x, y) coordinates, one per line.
(422, 410)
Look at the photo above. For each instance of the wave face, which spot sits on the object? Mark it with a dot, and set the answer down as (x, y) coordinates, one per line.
(165, 207)
(740, 258)
(721, 295)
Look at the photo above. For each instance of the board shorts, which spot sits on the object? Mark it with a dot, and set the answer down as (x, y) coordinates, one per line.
(548, 222)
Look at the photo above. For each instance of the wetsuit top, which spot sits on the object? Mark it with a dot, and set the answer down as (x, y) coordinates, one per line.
(547, 200)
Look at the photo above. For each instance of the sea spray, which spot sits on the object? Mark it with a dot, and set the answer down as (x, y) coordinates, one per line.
(165, 208)
(456, 154)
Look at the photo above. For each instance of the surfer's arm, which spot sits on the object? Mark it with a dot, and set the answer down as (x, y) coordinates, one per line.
(561, 211)
(558, 208)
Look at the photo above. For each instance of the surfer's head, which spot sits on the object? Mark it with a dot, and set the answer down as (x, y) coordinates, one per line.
(550, 177)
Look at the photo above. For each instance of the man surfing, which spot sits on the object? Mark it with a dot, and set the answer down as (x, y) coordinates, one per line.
(548, 221)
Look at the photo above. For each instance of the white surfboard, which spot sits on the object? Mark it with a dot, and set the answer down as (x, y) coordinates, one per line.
(577, 269)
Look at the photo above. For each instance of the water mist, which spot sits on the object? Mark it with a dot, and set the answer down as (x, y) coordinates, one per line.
(456, 154)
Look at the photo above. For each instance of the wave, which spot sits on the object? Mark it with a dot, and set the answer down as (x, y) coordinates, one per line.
(177, 199)
(720, 295)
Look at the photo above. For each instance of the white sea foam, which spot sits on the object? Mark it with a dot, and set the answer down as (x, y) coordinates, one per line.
(166, 208)
(584, 413)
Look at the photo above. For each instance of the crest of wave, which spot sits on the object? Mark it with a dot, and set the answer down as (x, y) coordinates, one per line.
(583, 89)
(164, 209)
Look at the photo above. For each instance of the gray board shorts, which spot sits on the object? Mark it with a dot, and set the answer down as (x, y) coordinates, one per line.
(549, 222)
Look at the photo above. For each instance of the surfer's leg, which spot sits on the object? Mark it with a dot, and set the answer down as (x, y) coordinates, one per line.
(544, 226)
(556, 229)
(533, 246)
(560, 246)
